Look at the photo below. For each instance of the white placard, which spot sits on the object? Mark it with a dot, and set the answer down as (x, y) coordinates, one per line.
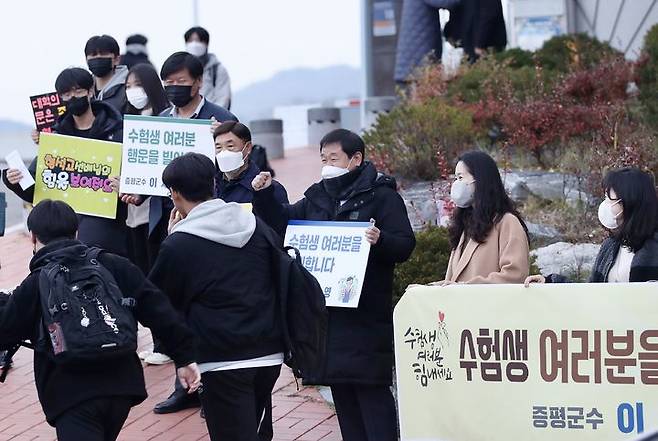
(336, 253)
(15, 162)
(150, 143)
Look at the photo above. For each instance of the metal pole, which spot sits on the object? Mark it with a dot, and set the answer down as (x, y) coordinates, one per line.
(195, 12)
(366, 54)
(639, 27)
(614, 27)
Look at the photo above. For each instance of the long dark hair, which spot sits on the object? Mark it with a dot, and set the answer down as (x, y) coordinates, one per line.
(148, 78)
(637, 191)
(490, 201)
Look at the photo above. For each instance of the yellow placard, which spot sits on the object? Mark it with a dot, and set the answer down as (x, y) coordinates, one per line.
(549, 362)
(77, 171)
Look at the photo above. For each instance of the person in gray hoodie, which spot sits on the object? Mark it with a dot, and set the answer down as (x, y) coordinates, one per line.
(103, 56)
(216, 86)
(224, 288)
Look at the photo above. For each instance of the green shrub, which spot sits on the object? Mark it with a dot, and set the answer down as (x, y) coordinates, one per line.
(647, 77)
(565, 52)
(428, 263)
(516, 58)
(409, 141)
(499, 79)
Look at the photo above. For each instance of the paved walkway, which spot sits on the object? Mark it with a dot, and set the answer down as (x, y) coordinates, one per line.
(299, 414)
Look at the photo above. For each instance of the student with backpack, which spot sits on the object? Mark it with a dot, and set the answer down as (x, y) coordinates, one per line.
(224, 285)
(79, 307)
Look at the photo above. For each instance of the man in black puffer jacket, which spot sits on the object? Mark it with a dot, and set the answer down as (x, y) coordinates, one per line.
(360, 341)
(85, 118)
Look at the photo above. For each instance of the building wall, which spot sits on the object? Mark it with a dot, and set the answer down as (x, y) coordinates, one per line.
(623, 23)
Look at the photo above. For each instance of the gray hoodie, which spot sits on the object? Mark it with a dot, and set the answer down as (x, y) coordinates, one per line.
(215, 220)
(114, 92)
(216, 86)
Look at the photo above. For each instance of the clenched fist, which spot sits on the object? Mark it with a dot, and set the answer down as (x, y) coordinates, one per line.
(262, 181)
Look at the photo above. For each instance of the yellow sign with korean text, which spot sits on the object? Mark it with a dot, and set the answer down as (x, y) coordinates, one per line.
(549, 362)
(78, 171)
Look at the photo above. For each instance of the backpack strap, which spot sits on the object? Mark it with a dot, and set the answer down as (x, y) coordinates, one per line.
(214, 75)
(92, 254)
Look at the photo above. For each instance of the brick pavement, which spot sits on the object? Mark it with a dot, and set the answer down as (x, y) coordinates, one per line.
(299, 414)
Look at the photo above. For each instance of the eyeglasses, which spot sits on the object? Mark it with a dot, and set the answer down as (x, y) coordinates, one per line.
(77, 92)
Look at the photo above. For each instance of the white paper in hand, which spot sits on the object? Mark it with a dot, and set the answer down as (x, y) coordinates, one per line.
(15, 162)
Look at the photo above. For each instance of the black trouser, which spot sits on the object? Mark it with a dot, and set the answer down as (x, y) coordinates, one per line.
(365, 413)
(235, 402)
(158, 235)
(99, 419)
(138, 248)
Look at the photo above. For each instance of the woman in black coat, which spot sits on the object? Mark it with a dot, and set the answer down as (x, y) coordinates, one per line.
(630, 213)
(477, 25)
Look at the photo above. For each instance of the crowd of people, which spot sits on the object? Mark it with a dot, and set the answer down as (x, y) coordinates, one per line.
(197, 269)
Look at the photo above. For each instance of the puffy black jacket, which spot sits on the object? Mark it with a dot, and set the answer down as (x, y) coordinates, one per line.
(360, 341)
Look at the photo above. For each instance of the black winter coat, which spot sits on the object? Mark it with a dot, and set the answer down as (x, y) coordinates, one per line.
(644, 267)
(108, 234)
(477, 24)
(241, 191)
(63, 387)
(359, 341)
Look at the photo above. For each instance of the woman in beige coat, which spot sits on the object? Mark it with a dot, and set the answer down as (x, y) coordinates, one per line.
(489, 239)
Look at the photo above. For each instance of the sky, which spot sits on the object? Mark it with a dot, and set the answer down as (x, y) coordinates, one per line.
(254, 39)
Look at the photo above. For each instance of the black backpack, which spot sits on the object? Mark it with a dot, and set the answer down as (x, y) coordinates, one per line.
(84, 313)
(303, 311)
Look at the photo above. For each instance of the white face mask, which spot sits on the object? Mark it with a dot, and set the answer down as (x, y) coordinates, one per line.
(607, 216)
(196, 48)
(230, 161)
(331, 171)
(462, 193)
(137, 97)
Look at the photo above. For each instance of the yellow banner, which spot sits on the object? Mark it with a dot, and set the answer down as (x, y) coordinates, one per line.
(549, 362)
(77, 171)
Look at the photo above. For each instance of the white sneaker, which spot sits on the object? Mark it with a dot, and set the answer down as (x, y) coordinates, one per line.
(156, 358)
(144, 355)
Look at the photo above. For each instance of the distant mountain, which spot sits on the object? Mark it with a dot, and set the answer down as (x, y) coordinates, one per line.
(7, 125)
(296, 86)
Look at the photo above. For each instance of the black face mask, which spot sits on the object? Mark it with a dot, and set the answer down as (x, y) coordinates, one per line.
(180, 96)
(100, 67)
(77, 105)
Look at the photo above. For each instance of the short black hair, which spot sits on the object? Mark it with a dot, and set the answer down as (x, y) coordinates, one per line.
(137, 39)
(350, 142)
(237, 128)
(204, 36)
(637, 191)
(52, 220)
(72, 78)
(192, 175)
(179, 61)
(101, 44)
